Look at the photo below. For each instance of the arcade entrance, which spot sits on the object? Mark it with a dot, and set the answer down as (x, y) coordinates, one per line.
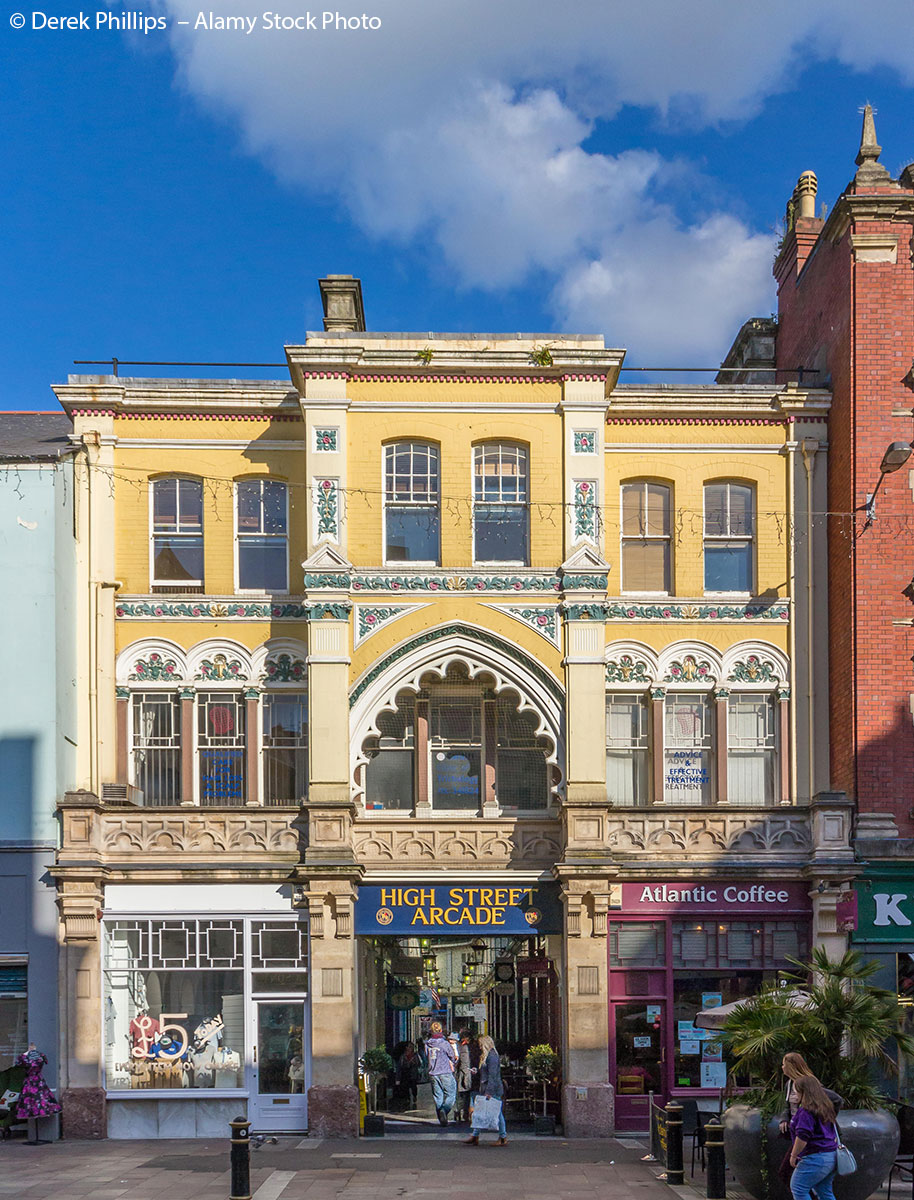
(504, 986)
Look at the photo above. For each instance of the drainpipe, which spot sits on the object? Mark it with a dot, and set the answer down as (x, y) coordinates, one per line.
(91, 441)
(792, 588)
(809, 447)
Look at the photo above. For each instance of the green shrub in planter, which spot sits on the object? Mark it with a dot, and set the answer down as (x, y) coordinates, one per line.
(542, 1065)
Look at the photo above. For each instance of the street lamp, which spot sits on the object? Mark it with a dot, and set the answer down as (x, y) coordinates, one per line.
(895, 457)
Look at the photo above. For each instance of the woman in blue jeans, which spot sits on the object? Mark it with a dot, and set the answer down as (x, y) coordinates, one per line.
(815, 1141)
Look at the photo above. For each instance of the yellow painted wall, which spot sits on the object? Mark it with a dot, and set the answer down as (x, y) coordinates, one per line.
(455, 434)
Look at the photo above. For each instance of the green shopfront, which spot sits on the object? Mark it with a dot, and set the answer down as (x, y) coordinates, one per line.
(881, 922)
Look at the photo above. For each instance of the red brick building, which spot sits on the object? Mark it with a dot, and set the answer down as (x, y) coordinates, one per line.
(846, 312)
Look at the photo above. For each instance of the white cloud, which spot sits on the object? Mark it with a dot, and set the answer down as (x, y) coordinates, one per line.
(463, 123)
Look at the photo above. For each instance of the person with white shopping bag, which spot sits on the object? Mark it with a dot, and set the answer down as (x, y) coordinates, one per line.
(488, 1111)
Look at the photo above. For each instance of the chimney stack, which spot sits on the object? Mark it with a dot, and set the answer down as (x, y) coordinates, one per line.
(341, 296)
(807, 186)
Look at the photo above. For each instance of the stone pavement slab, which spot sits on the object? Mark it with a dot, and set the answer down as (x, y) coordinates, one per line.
(441, 1168)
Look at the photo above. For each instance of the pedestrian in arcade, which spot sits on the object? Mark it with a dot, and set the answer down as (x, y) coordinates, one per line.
(465, 1074)
(490, 1085)
(813, 1155)
(442, 1063)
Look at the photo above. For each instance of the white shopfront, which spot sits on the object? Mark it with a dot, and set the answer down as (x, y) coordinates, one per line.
(205, 1009)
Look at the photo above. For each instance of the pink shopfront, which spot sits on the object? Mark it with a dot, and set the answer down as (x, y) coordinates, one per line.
(676, 947)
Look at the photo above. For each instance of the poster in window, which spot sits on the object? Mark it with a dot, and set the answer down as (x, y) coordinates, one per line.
(713, 1075)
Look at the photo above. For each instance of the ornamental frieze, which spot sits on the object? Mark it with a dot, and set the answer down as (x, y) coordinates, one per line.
(784, 835)
(626, 669)
(753, 670)
(494, 842)
(544, 621)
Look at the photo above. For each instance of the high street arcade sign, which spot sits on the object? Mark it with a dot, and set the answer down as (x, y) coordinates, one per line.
(458, 908)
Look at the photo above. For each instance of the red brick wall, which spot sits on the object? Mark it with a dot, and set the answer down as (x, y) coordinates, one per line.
(856, 320)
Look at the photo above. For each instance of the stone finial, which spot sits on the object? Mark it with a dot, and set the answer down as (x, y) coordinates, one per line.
(869, 169)
(805, 193)
(341, 296)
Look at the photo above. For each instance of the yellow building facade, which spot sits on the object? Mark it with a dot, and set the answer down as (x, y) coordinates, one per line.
(449, 676)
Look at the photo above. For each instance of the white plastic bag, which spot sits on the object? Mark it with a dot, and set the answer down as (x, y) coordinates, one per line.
(486, 1112)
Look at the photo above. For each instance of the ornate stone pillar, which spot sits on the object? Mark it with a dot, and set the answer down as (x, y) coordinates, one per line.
(252, 745)
(188, 758)
(587, 1101)
(721, 742)
(784, 747)
(831, 866)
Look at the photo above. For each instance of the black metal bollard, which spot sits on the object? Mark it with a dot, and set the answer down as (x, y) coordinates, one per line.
(717, 1164)
(674, 1169)
(241, 1159)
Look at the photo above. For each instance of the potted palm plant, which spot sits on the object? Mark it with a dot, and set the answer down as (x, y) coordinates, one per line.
(843, 1026)
(542, 1065)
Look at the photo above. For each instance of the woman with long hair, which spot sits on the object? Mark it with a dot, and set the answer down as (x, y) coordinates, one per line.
(490, 1085)
(813, 1154)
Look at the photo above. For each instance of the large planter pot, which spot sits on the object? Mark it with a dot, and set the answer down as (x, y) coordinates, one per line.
(872, 1136)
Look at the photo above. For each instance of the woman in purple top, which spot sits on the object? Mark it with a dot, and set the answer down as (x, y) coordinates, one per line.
(815, 1141)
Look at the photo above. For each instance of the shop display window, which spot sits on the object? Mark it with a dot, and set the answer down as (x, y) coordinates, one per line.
(636, 944)
(174, 1014)
(698, 1057)
(14, 1012)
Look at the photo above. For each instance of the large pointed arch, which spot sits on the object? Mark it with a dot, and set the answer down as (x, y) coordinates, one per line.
(479, 652)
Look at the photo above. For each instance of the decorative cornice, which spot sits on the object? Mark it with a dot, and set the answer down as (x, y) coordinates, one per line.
(777, 611)
(585, 612)
(266, 418)
(454, 582)
(209, 610)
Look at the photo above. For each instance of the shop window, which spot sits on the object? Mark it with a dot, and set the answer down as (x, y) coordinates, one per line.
(455, 740)
(177, 535)
(390, 770)
(627, 746)
(221, 747)
(767, 945)
(699, 1060)
(751, 748)
(500, 513)
(14, 1012)
(174, 1004)
(411, 500)
(285, 747)
(905, 973)
(688, 750)
(156, 748)
(636, 944)
(261, 508)
(646, 541)
(520, 768)
(729, 532)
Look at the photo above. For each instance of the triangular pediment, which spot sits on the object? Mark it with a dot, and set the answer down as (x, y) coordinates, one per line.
(325, 558)
(585, 558)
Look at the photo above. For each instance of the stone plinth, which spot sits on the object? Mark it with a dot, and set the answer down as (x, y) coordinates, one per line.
(84, 1113)
(587, 1110)
(333, 1111)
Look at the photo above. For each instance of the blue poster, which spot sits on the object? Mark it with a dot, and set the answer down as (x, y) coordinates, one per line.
(513, 908)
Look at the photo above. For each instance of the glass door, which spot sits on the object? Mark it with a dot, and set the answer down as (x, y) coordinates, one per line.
(637, 1061)
(279, 1088)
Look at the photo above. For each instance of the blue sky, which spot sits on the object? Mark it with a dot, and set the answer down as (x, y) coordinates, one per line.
(480, 165)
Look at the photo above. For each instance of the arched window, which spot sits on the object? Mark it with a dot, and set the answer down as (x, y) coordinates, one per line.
(729, 534)
(646, 550)
(500, 504)
(456, 747)
(177, 535)
(261, 535)
(411, 501)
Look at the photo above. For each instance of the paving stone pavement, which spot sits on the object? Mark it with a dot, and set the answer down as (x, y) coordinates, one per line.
(304, 1169)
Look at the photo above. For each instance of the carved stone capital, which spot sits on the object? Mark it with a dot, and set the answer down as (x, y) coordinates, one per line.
(80, 901)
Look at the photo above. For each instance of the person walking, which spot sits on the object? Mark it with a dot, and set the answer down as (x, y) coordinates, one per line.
(442, 1063)
(464, 1077)
(490, 1085)
(813, 1154)
(408, 1067)
(796, 1067)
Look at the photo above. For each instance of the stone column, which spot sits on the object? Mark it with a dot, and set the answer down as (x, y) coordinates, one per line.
(587, 1099)
(490, 738)
(784, 747)
(423, 798)
(721, 742)
(252, 745)
(831, 867)
(333, 1097)
(123, 734)
(82, 1097)
(188, 758)
(658, 695)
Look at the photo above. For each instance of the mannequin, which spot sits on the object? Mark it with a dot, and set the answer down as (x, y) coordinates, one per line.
(36, 1099)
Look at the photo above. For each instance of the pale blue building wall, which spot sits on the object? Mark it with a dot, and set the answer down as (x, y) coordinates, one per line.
(37, 720)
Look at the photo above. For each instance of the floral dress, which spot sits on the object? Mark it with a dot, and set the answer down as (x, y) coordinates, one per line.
(36, 1099)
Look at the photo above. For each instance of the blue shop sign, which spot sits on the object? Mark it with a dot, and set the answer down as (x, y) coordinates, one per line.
(455, 908)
